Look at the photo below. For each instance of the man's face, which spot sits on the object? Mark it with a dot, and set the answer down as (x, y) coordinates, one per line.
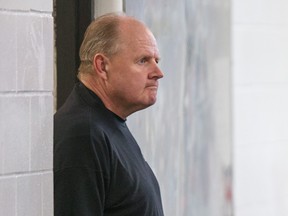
(133, 72)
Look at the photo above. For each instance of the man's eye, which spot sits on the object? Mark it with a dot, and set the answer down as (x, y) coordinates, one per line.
(143, 61)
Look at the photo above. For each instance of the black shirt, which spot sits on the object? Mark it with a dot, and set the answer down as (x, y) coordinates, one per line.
(98, 166)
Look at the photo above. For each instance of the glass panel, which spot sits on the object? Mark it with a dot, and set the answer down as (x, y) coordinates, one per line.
(186, 135)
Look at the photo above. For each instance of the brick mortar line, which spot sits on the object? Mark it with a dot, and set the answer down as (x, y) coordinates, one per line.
(23, 174)
(31, 11)
(26, 93)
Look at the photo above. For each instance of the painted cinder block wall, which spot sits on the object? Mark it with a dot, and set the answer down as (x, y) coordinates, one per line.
(26, 108)
(260, 107)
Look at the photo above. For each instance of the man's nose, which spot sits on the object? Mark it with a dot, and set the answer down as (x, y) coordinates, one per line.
(157, 72)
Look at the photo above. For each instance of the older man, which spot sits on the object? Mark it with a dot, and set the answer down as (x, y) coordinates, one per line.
(98, 166)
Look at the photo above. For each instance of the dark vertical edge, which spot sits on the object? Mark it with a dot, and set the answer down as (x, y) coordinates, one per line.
(71, 19)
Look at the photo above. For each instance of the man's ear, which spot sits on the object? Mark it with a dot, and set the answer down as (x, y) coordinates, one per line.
(100, 65)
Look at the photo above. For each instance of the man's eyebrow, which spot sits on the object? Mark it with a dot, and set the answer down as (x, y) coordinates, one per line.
(149, 56)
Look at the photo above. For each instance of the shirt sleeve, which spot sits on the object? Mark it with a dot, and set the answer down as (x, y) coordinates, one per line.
(78, 192)
(81, 175)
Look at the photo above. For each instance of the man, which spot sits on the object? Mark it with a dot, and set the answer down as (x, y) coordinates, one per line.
(98, 166)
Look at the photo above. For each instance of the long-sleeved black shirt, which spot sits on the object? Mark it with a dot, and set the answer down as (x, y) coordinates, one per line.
(99, 169)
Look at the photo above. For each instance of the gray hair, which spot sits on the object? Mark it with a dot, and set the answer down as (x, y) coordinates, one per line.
(101, 36)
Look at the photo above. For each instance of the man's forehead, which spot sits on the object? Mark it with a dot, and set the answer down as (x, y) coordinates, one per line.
(135, 35)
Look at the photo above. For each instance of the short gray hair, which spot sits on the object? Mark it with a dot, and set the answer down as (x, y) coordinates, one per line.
(101, 36)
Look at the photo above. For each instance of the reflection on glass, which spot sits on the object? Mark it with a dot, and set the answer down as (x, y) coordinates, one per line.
(186, 135)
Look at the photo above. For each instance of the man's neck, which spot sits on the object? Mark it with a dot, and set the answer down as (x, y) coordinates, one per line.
(98, 88)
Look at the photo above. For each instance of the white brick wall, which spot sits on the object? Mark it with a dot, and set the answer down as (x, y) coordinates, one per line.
(260, 95)
(26, 108)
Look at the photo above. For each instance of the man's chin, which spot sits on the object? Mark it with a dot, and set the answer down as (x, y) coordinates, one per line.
(148, 103)
(152, 101)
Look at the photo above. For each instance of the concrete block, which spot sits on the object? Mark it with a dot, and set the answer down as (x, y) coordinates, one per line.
(14, 133)
(251, 165)
(260, 12)
(260, 179)
(29, 195)
(48, 39)
(43, 5)
(35, 194)
(260, 55)
(260, 114)
(8, 196)
(41, 133)
(8, 63)
(279, 176)
(29, 51)
(34, 52)
(47, 191)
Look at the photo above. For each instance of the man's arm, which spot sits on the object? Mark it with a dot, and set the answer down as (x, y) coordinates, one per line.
(78, 192)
